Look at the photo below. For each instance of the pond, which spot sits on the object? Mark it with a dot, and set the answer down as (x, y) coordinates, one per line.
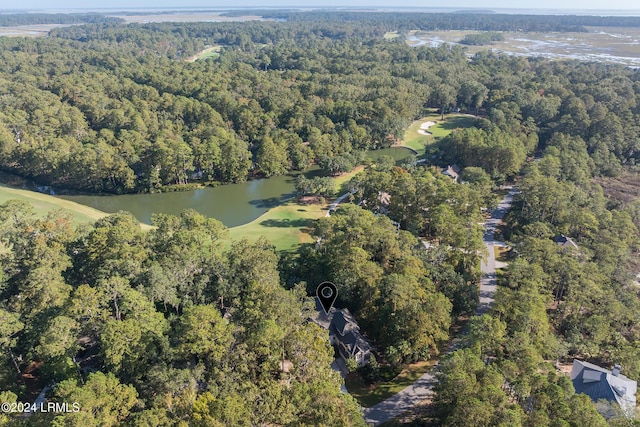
(233, 204)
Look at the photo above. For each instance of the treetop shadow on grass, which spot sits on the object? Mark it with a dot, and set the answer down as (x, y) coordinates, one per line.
(286, 223)
(452, 123)
(271, 202)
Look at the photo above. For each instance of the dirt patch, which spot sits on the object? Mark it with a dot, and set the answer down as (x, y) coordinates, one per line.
(309, 200)
(624, 188)
(565, 368)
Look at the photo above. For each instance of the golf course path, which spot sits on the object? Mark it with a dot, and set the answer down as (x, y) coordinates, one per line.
(422, 388)
(339, 200)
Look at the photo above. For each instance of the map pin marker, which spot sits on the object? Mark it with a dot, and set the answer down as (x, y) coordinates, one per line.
(327, 294)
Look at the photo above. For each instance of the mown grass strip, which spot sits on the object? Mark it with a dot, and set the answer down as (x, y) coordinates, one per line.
(289, 225)
(44, 203)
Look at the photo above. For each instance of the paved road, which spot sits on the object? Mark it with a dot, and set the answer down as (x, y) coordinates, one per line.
(422, 389)
(488, 284)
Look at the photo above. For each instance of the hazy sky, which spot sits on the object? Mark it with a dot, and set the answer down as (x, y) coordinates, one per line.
(524, 4)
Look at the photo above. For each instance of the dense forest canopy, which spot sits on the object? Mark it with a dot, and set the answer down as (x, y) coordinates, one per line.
(160, 328)
(169, 327)
(110, 108)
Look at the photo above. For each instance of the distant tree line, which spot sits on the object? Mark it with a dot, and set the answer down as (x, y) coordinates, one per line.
(481, 39)
(108, 108)
(460, 20)
(15, 19)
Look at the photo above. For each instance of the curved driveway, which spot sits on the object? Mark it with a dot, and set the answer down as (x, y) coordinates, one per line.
(422, 389)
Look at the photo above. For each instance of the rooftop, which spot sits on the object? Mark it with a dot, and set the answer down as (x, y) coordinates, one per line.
(600, 383)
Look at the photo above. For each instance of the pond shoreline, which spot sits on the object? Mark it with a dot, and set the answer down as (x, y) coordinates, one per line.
(234, 204)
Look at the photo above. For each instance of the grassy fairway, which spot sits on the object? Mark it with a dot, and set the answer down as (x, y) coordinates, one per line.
(210, 52)
(340, 181)
(289, 225)
(43, 203)
(284, 226)
(419, 142)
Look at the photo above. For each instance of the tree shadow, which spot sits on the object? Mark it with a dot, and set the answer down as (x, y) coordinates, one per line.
(285, 223)
(270, 202)
(313, 172)
(452, 123)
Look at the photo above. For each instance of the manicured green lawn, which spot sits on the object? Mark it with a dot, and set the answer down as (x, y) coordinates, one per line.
(285, 226)
(209, 54)
(415, 140)
(368, 397)
(451, 122)
(341, 181)
(43, 203)
(419, 142)
(289, 225)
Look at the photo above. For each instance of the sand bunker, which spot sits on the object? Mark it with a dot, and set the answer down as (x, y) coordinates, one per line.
(423, 128)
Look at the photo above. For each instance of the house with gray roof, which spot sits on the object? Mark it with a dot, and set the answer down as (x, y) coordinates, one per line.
(565, 242)
(452, 171)
(599, 383)
(344, 333)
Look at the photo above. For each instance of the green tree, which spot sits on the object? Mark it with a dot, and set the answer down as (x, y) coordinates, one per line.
(102, 399)
(203, 333)
(271, 158)
(114, 247)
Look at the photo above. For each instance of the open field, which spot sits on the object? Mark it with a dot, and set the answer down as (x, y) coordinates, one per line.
(284, 226)
(413, 139)
(618, 45)
(340, 181)
(36, 30)
(43, 203)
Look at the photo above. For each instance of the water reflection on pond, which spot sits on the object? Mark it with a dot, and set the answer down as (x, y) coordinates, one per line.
(233, 204)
